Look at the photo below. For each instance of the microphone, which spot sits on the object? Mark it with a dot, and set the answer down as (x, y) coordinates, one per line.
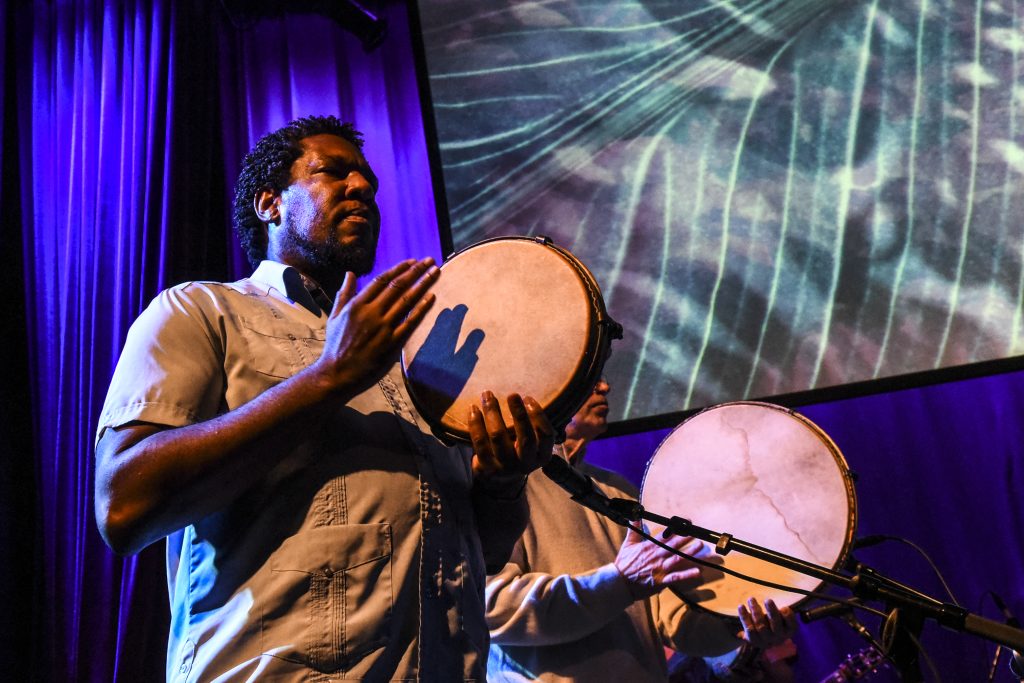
(833, 609)
(868, 541)
(580, 487)
(571, 479)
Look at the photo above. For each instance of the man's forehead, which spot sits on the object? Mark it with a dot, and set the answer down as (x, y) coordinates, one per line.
(331, 149)
(327, 146)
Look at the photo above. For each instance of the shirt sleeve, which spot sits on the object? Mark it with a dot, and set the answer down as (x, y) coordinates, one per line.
(171, 368)
(534, 608)
(500, 522)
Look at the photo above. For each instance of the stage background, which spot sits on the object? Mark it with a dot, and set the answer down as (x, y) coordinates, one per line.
(123, 124)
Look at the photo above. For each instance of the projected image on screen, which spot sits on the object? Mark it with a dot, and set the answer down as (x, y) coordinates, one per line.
(774, 196)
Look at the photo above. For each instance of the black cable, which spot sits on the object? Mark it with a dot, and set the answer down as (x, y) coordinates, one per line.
(851, 602)
(878, 538)
(927, 658)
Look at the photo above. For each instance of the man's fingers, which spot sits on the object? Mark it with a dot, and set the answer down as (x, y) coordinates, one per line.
(767, 627)
(381, 282)
(409, 289)
(488, 434)
(542, 428)
(345, 294)
(483, 457)
(775, 618)
(518, 449)
(755, 624)
(746, 621)
(787, 619)
(689, 576)
(394, 283)
(405, 328)
(684, 544)
(526, 436)
(756, 613)
(403, 291)
(494, 422)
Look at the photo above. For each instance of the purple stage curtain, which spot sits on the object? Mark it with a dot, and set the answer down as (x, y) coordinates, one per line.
(131, 119)
(292, 66)
(116, 203)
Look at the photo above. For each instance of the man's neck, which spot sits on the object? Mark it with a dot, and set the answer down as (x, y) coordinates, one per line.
(329, 284)
(574, 450)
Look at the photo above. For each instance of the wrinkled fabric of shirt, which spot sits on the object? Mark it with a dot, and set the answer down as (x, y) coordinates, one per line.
(363, 563)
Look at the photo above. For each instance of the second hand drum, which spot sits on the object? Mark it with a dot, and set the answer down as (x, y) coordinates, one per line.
(512, 315)
(766, 475)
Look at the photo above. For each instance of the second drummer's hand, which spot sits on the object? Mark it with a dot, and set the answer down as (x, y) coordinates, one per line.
(366, 330)
(649, 567)
(768, 627)
(501, 457)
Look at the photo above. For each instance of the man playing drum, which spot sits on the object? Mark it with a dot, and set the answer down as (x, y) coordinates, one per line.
(315, 529)
(581, 599)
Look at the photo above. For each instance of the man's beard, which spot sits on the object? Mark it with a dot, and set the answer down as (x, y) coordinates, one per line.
(328, 261)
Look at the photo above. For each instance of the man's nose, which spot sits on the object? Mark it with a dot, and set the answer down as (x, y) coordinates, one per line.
(358, 186)
(602, 387)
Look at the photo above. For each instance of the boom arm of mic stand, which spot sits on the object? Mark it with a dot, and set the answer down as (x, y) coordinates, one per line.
(864, 585)
(725, 543)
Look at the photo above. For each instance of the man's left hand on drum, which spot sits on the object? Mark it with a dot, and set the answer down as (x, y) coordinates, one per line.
(502, 457)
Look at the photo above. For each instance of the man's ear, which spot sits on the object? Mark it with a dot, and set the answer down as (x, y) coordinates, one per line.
(265, 205)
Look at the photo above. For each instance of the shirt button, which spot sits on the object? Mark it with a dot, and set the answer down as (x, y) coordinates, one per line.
(328, 572)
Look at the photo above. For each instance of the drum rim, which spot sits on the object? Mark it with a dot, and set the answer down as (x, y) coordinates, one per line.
(597, 346)
(844, 470)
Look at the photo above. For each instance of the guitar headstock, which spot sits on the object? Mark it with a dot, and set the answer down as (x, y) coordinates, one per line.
(857, 666)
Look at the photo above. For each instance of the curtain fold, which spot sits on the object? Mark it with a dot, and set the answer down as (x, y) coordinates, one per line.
(96, 149)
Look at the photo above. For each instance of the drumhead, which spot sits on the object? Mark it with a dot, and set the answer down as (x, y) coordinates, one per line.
(765, 475)
(512, 315)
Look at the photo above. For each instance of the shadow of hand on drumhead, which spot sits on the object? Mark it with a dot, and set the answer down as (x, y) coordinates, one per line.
(440, 371)
(708, 575)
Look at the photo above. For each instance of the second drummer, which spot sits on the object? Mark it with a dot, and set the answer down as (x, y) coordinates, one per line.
(583, 600)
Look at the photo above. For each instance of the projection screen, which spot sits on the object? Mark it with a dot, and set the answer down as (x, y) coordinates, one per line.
(775, 196)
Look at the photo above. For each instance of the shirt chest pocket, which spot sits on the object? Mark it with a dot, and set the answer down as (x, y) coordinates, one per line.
(328, 603)
(277, 347)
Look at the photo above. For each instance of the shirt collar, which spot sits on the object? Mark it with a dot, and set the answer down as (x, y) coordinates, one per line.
(288, 281)
(271, 274)
(574, 458)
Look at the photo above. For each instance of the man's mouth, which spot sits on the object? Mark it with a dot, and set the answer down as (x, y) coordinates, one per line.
(361, 216)
(355, 208)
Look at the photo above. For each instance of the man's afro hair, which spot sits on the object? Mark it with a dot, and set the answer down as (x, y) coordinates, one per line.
(268, 165)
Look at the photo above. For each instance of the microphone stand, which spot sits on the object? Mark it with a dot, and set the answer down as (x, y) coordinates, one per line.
(906, 605)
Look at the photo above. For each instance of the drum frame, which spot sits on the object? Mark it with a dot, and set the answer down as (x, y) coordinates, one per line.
(847, 476)
(603, 330)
